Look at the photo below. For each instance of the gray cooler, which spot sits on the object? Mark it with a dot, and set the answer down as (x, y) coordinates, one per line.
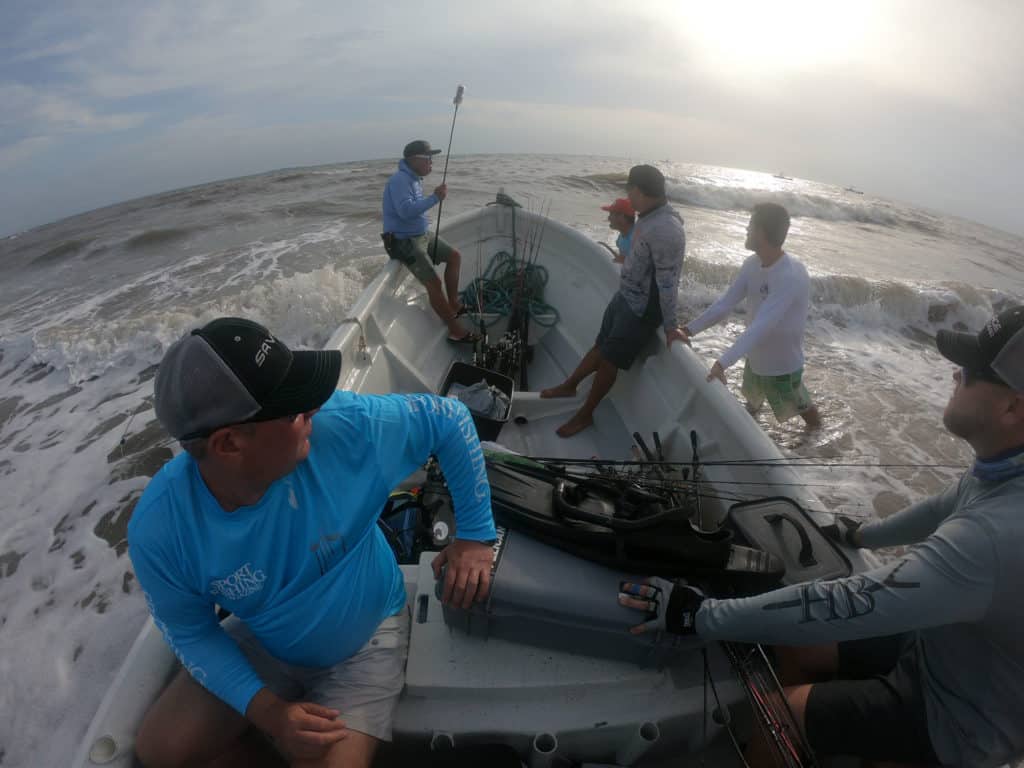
(545, 597)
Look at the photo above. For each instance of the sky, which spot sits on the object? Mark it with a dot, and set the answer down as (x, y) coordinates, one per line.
(917, 100)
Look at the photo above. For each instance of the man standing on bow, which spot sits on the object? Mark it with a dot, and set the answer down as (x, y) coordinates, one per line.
(923, 657)
(778, 293)
(646, 297)
(407, 236)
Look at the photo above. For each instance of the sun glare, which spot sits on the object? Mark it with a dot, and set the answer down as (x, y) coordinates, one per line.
(754, 37)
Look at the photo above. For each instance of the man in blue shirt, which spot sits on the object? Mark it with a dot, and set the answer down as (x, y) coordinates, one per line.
(621, 218)
(270, 512)
(407, 239)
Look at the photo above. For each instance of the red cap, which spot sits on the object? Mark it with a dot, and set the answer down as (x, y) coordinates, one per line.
(622, 205)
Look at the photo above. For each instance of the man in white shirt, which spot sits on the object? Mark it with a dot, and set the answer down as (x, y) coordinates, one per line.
(777, 289)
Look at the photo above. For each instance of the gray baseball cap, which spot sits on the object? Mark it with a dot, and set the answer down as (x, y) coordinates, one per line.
(234, 371)
(419, 147)
(996, 353)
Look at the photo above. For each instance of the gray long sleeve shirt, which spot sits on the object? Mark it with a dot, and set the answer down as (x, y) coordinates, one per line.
(656, 256)
(958, 589)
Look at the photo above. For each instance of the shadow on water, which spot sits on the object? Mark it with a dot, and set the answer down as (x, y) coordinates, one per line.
(141, 454)
(9, 563)
(112, 527)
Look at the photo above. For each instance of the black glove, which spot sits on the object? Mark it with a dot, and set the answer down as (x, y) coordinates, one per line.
(843, 530)
(670, 606)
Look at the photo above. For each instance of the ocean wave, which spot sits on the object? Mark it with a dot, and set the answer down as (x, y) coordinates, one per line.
(65, 250)
(595, 181)
(799, 205)
(701, 195)
(313, 209)
(847, 300)
(303, 308)
(290, 177)
(155, 237)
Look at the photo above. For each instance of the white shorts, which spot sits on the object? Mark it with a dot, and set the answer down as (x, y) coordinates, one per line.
(364, 687)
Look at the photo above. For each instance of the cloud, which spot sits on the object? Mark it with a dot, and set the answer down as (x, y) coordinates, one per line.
(868, 94)
(21, 151)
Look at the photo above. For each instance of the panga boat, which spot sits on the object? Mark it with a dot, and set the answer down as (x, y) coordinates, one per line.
(560, 678)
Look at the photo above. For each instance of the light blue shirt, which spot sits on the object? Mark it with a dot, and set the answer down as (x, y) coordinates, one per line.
(623, 243)
(405, 208)
(306, 568)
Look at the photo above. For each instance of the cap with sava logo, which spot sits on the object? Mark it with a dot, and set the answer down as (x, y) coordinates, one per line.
(233, 371)
(996, 353)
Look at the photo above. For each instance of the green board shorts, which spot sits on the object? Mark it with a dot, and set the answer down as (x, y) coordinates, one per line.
(786, 394)
(412, 252)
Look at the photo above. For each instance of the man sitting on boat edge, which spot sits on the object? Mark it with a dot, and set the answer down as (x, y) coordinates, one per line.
(407, 235)
(271, 512)
(925, 662)
(647, 296)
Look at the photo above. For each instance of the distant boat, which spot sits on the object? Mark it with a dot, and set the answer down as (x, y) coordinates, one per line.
(853, 190)
(783, 176)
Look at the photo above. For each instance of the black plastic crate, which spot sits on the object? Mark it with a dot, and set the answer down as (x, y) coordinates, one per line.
(466, 374)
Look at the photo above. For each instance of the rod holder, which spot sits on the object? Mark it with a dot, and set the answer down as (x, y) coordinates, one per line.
(637, 745)
(543, 750)
(441, 741)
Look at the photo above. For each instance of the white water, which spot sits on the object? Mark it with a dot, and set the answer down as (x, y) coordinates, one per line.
(82, 327)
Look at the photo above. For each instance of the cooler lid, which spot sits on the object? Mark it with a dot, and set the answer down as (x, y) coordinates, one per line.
(780, 526)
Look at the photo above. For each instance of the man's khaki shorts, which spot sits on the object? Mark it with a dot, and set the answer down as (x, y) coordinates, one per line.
(413, 253)
(364, 687)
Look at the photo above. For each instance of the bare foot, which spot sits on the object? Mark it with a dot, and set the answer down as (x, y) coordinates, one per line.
(812, 418)
(577, 423)
(562, 390)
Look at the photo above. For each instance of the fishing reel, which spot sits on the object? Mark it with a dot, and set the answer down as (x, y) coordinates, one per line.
(504, 356)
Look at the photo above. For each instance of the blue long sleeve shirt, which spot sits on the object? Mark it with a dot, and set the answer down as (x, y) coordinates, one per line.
(306, 567)
(405, 207)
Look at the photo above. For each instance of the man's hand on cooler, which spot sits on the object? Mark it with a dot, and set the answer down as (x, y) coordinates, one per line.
(468, 575)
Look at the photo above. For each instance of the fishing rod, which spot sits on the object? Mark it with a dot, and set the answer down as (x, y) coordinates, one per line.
(440, 205)
(814, 462)
(670, 487)
(768, 701)
(695, 476)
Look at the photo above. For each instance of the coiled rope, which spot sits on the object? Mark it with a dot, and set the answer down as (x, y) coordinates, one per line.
(496, 290)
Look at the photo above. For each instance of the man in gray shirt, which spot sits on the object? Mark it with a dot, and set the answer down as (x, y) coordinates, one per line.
(646, 297)
(942, 678)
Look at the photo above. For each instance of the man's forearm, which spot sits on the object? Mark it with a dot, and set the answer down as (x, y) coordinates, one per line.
(264, 710)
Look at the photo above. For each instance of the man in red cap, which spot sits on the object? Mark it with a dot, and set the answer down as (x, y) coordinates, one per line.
(621, 218)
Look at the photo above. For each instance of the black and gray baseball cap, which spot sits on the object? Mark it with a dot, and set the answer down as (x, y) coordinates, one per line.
(996, 352)
(419, 147)
(234, 371)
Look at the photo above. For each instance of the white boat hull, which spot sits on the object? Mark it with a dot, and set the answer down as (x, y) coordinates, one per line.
(462, 689)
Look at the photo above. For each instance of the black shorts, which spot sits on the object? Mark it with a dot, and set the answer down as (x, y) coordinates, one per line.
(875, 709)
(622, 333)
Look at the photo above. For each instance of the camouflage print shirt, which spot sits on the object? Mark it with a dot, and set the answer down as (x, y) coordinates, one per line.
(655, 260)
